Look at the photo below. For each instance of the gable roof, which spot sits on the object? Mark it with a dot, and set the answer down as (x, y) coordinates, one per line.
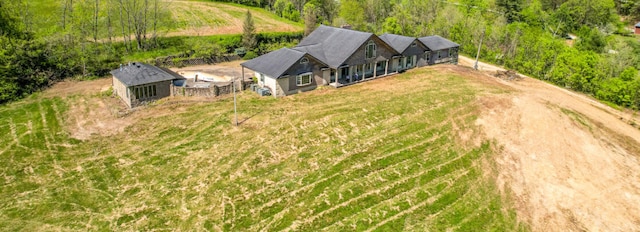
(333, 45)
(437, 43)
(398, 42)
(275, 63)
(138, 73)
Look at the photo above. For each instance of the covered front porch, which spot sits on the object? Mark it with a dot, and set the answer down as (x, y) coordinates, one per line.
(348, 75)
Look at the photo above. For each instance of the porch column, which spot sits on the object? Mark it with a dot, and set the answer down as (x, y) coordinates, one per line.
(386, 68)
(375, 69)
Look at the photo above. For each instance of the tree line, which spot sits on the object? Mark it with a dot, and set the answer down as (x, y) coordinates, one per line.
(530, 36)
(89, 38)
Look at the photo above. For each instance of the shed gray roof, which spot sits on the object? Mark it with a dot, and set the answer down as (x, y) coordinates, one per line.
(398, 42)
(638, 25)
(274, 63)
(437, 43)
(140, 73)
(333, 45)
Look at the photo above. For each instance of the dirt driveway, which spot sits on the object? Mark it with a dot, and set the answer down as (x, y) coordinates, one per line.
(570, 162)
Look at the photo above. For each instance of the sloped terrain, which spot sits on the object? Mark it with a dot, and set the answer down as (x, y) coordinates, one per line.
(436, 148)
(569, 161)
(400, 153)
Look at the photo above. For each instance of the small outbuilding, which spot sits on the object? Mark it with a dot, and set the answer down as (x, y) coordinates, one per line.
(637, 31)
(137, 83)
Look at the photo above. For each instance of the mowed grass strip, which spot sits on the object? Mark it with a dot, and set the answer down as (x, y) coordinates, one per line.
(382, 155)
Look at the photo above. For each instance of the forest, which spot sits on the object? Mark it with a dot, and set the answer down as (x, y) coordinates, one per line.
(583, 45)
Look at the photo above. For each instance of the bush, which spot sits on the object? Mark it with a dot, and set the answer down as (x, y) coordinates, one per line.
(250, 55)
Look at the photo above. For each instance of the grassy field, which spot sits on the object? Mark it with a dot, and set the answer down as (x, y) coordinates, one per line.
(179, 18)
(400, 153)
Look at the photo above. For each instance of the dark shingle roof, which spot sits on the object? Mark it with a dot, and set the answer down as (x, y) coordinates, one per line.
(314, 50)
(397, 42)
(140, 73)
(274, 63)
(333, 45)
(437, 43)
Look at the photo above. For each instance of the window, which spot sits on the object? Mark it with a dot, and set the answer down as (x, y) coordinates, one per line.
(427, 56)
(304, 60)
(414, 44)
(370, 50)
(147, 91)
(439, 54)
(137, 92)
(261, 78)
(304, 79)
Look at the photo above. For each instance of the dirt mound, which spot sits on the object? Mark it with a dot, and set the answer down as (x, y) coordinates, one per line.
(569, 162)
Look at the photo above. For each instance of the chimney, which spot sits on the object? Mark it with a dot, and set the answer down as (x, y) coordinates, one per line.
(120, 67)
(346, 26)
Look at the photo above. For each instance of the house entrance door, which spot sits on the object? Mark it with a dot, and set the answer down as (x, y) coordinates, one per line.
(344, 73)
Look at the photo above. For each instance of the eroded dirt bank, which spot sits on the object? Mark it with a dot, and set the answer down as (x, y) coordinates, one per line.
(569, 162)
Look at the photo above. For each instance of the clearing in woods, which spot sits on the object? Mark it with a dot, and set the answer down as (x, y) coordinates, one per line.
(399, 153)
(182, 18)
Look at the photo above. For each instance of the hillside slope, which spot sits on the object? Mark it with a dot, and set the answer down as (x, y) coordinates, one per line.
(441, 148)
(570, 161)
(398, 153)
(177, 18)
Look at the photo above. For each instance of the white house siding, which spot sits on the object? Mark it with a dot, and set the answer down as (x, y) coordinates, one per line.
(326, 76)
(272, 84)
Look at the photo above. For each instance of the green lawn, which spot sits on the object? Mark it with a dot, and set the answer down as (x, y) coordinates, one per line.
(401, 153)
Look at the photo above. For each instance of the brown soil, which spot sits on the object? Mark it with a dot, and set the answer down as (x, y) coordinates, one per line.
(232, 69)
(570, 162)
(91, 113)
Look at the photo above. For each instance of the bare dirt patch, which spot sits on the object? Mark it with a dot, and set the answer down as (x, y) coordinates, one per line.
(72, 87)
(91, 113)
(228, 69)
(231, 24)
(569, 161)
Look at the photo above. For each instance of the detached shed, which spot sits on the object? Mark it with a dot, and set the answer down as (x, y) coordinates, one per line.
(637, 31)
(137, 83)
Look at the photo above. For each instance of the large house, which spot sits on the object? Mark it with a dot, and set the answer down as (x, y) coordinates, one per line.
(137, 83)
(337, 57)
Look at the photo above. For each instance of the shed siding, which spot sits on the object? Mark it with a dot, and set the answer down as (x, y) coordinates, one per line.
(121, 91)
(637, 30)
(163, 89)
